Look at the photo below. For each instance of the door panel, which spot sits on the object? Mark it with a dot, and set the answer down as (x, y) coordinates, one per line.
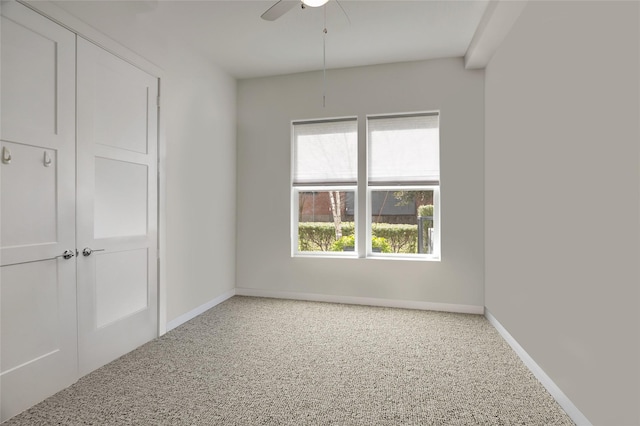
(121, 285)
(39, 225)
(39, 332)
(27, 336)
(37, 217)
(120, 206)
(32, 54)
(117, 206)
(117, 123)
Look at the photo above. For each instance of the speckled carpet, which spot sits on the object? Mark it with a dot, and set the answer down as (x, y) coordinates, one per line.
(253, 361)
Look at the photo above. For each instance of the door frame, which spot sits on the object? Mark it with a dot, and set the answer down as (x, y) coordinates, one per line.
(81, 29)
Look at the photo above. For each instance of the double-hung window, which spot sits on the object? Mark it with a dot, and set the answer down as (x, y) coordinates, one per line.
(324, 186)
(402, 189)
(403, 185)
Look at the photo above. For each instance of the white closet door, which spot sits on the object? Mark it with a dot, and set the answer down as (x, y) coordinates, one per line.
(117, 206)
(37, 178)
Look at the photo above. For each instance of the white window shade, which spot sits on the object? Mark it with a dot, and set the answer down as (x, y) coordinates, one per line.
(404, 149)
(325, 152)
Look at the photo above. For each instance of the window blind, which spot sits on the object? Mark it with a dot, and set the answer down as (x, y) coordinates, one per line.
(325, 152)
(404, 149)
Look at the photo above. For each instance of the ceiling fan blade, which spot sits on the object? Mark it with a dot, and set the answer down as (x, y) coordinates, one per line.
(279, 9)
(344, 11)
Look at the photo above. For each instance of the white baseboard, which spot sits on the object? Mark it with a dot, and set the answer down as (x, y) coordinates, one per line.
(200, 309)
(369, 301)
(578, 418)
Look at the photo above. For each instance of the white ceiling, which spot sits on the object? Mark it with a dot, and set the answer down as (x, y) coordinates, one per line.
(234, 36)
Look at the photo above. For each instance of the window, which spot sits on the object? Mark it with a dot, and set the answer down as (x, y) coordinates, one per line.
(403, 184)
(401, 212)
(324, 182)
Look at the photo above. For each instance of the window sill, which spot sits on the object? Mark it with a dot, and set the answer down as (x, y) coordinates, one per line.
(325, 255)
(352, 255)
(387, 256)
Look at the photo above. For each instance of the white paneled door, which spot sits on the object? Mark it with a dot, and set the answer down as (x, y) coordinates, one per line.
(37, 178)
(78, 208)
(116, 205)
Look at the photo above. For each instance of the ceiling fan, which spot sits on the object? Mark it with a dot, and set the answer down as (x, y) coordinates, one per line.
(283, 6)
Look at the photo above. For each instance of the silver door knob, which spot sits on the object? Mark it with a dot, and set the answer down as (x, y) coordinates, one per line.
(87, 251)
(68, 254)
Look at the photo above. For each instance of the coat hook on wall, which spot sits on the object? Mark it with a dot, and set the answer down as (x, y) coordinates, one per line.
(47, 159)
(6, 155)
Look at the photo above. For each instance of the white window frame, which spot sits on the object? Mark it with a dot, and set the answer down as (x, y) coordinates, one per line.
(368, 188)
(396, 186)
(295, 203)
(296, 189)
(436, 223)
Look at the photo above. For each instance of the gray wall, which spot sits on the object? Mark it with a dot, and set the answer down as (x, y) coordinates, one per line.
(199, 106)
(562, 199)
(266, 107)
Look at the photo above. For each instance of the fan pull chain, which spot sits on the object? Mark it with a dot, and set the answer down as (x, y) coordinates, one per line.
(324, 67)
(324, 58)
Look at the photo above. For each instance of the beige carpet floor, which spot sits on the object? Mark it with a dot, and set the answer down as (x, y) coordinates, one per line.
(254, 361)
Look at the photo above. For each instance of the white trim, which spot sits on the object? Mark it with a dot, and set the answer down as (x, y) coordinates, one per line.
(562, 399)
(498, 18)
(200, 309)
(82, 29)
(435, 256)
(295, 204)
(369, 301)
(162, 216)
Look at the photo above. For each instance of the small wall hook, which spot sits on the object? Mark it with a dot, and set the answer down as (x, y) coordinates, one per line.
(6, 155)
(47, 159)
